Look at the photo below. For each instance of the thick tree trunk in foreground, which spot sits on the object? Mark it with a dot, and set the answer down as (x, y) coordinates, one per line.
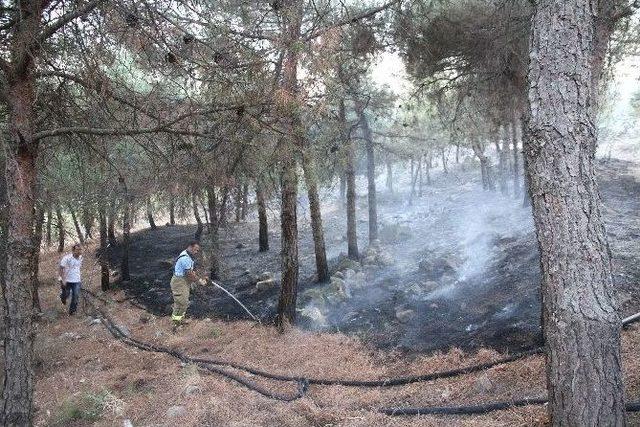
(291, 143)
(350, 173)
(126, 231)
(61, 230)
(150, 220)
(263, 225)
(581, 322)
(103, 257)
(311, 181)
(21, 153)
(371, 174)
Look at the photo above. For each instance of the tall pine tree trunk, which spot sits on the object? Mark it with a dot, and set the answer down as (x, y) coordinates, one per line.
(292, 21)
(214, 228)
(263, 225)
(172, 209)
(126, 231)
(350, 173)
(196, 215)
(49, 225)
(76, 224)
(245, 202)
(103, 256)
(21, 151)
(150, 220)
(371, 173)
(516, 158)
(580, 313)
(111, 225)
(37, 242)
(311, 181)
(389, 177)
(61, 230)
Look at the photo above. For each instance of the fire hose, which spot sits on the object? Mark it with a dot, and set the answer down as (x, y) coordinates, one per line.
(216, 366)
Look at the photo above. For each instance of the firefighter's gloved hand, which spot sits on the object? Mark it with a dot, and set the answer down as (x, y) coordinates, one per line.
(60, 281)
(202, 282)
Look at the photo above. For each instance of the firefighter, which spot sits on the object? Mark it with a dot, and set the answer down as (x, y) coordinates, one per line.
(183, 276)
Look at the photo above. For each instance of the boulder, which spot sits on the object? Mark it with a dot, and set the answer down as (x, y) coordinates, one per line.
(265, 276)
(192, 389)
(264, 285)
(347, 263)
(436, 268)
(483, 384)
(315, 315)
(404, 315)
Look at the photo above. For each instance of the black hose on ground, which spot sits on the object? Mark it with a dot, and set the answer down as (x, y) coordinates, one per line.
(484, 408)
(463, 410)
(303, 383)
(119, 334)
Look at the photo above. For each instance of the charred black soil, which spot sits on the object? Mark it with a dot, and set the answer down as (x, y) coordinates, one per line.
(458, 267)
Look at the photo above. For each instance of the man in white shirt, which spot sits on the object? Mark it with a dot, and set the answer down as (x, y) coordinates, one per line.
(69, 277)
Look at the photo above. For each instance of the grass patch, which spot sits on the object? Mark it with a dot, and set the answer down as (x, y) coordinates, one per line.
(87, 407)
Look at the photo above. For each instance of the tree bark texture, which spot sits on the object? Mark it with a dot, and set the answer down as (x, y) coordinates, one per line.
(21, 152)
(152, 222)
(371, 174)
(76, 224)
(311, 181)
(196, 215)
(172, 209)
(37, 242)
(350, 174)
(263, 225)
(61, 230)
(103, 257)
(292, 22)
(126, 231)
(580, 318)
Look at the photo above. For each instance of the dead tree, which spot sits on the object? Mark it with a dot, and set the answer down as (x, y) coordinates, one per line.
(581, 323)
(389, 177)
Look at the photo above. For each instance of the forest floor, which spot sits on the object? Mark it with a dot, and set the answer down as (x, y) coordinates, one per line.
(476, 260)
(457, 267)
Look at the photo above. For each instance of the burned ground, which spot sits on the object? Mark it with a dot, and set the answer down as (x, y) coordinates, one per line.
(460, 267)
